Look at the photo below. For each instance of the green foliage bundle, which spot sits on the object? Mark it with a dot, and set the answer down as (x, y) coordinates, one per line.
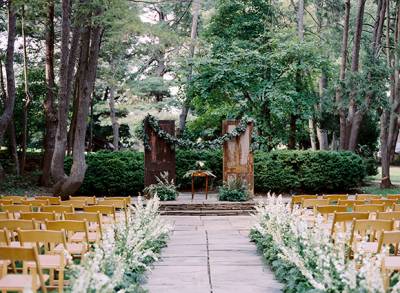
(112, 173)
(308, 171)
(233, 190)
(165, 189)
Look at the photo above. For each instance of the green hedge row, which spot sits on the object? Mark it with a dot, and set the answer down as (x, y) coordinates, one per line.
(122, 173)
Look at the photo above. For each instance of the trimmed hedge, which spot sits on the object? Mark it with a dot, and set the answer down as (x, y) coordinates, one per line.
(122, 173)
(112, 173)
(308, 171)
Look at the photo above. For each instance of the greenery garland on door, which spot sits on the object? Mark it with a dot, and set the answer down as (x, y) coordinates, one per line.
(185, 143)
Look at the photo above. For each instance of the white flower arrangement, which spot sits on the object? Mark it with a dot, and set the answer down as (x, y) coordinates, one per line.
(126, 251)
(322, 262)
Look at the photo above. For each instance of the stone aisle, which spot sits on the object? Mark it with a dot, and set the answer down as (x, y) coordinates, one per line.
(211, 255)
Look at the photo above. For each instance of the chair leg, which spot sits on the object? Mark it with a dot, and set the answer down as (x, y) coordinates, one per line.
(51, 280)
(60, 281)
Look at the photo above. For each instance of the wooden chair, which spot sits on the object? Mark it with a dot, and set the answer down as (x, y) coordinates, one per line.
(396, 207)
(334, 198)
(6, 202)
(107, 211)
(297, 199)
(15, 210)
(393, 196)
(367, 196)
(16, 199)
(49, 259)
(95, 226)
(90, 200)
(127, 199)
(391, 261)
(389, 203)
(370, 208)
(71, 227)
(22, 282)
(58, 210)
(14, 225)
(39, 217)
(76, 204)
(5, 216)
(36, 202)
(350, 202)
(370, 231)
(119, 205)
(53, 200)
(395, 216)
(328, 210)
(346, 218)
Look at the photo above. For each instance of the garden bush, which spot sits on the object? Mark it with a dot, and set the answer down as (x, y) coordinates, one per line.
(164, 189)
(233, 190)
(112, 173)
(122, 173)
(308, 171)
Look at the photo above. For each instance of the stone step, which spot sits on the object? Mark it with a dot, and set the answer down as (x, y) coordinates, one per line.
(207, 206)
(236, 212)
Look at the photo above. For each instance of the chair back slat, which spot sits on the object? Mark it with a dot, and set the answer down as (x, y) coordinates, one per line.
(370, 208)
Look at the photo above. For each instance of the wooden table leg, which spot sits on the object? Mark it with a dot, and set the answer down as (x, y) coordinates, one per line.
(206, 187)
(192, 187)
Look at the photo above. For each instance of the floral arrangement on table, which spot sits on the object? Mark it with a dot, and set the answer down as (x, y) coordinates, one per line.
(233, 190)
(118, 263)
(200, 169)
(307, 260)
(164, 189)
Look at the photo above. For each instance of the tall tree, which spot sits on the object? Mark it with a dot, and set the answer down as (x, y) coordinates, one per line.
(67, 67)
(27, 98)
(90, 46)
(49, 103)
(6, 117)
(193, 37)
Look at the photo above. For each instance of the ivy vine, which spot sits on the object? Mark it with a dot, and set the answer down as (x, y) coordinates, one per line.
(185, 143)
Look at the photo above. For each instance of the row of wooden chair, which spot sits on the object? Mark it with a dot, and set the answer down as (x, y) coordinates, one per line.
(76, 201)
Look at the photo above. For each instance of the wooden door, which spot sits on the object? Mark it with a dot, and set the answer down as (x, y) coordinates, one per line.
(238, 156)
(161, 157)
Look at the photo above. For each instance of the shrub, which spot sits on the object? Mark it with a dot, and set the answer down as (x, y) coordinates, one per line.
(164, 189)
(308, 171)
(233, 190)
(112, 173)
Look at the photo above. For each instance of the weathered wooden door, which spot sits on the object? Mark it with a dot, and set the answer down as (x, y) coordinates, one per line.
(238, 156)
(161, 157)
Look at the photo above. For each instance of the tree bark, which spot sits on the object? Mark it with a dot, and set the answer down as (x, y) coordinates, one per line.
(49, 104)
(6, 117)
(114, 121)
(67, 66)
(193, 37)
(342, 76)
(322, 134)
(27, 101)
(389, 118)
(292, 132)
(7, 114)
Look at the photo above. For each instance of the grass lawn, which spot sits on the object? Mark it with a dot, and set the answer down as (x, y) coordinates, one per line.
(373, 183)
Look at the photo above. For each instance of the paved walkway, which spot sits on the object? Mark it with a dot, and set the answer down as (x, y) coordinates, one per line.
(211, 255)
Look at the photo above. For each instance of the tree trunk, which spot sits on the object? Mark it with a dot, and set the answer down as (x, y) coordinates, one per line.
(193, 37)
(115, 125)
(292, 132)
(49, 104)
(6, 117)
(90, 45)
(389, 118)
(11, 128)
(342, 76)
(27, 96)
(322, 134)
(67, 66)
